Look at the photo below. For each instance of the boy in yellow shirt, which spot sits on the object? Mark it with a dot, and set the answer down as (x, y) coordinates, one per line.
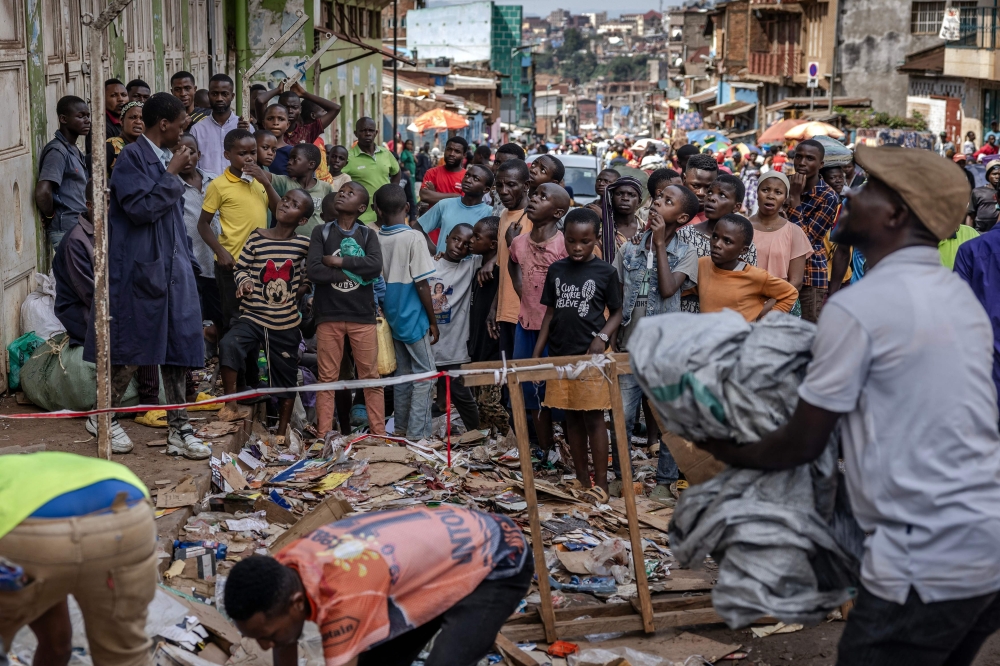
(241, 196)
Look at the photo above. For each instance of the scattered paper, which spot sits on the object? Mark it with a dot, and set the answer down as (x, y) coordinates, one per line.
(780, 628)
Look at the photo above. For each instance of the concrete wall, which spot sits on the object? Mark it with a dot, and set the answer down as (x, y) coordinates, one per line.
(875, 38)
(458, 32)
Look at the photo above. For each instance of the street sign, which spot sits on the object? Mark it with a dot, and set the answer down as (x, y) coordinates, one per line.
(812, 70)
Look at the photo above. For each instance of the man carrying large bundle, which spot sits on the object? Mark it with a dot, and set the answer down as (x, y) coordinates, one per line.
(902, 361)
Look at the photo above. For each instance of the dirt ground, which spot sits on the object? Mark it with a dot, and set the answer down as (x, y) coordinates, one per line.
(149, 463)
(813, 646)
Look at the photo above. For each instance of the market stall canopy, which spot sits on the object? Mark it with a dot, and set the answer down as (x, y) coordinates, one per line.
(642, 143)
(437, 119)
(811, 129)
(702, 136)
(776, 132)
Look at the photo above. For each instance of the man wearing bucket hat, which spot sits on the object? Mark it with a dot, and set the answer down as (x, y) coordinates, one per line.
(902, 361)
(983, 207)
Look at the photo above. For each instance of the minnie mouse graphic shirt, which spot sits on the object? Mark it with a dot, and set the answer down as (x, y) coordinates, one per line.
(579, 291)
(276, 268)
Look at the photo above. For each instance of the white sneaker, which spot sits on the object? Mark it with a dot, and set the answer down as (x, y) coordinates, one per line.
(120, 441)
(185, 443)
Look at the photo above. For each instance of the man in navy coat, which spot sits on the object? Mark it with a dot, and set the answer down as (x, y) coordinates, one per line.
(154, 307)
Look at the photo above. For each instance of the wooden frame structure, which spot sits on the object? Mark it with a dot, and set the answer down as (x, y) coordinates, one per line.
(556, 626)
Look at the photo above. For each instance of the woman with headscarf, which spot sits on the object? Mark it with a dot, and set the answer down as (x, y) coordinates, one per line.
(132, 127)
(782, 247)
(618, 207)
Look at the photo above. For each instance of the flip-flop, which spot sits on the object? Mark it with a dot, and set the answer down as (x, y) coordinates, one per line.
(594, 495)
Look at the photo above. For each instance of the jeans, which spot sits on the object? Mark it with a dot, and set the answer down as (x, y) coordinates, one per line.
(412, 400)
(943, 633)
(666, 468)
(468, 628)
(55, 237)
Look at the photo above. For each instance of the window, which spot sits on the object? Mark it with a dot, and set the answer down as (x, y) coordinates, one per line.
(925, 17)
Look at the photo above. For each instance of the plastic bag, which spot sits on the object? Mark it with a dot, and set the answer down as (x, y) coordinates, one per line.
(38, 312)
(612, 552)
(18, 353)
(386, 350)
(609, 656)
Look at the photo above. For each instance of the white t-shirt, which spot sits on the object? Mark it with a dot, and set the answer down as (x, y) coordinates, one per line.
(906, 355)
(451, 291)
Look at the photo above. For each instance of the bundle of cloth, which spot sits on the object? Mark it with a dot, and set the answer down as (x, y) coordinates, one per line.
(785, 542)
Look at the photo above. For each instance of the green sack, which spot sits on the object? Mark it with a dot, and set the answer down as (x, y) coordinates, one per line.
(18, 352)
(56, 377)
(350, 248)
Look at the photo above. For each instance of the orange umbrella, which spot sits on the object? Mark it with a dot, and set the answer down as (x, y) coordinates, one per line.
(815, 128)
(776, 132)
(437, 119)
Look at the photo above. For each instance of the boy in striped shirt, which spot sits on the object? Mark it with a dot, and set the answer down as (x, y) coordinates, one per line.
(269, 275)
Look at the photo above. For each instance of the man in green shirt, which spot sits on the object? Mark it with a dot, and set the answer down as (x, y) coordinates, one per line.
(370, 164)
(302, 164)
(82, 526)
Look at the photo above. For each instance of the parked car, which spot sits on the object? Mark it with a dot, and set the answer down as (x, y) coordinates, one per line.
(581, 175)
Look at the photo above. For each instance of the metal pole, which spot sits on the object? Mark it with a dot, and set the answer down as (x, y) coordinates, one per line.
(395, 75)
(242, 79)
(99, 176)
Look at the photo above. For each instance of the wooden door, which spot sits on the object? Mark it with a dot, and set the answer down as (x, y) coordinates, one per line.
(137, 22)
(173, 40)
(198, 47)
(17, 221)
(63, 45)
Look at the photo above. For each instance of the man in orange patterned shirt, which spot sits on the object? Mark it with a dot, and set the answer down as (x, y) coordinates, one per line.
(380, 586)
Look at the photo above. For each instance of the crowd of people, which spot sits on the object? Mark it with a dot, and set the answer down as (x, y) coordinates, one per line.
(254, 236)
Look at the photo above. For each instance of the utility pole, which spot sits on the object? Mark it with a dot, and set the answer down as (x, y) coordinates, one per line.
(99, 212)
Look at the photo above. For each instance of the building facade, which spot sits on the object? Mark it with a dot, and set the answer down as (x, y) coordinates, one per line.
(480, 32)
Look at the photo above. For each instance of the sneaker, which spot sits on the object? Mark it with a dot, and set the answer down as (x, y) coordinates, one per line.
(120, 441)
(359, 416)
(185, 443)
(662, 493)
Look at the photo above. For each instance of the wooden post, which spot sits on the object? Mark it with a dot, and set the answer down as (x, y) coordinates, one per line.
(628, 495)
(528, 479)
(99, 178)
(99, 171)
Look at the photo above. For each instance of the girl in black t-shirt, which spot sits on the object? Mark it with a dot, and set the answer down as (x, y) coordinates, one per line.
(577, 292)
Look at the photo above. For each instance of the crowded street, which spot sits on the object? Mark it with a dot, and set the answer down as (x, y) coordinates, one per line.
(657, 339)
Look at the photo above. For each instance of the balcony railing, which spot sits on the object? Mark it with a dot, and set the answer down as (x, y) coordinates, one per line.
(977, 28)
(780, 63)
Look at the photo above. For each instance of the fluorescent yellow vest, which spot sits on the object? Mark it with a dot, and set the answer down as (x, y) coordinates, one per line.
(29, 481)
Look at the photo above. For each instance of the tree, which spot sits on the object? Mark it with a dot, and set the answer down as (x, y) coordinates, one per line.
(624, 68)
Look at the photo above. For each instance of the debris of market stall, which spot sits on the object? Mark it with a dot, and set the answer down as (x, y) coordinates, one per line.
(269, 493)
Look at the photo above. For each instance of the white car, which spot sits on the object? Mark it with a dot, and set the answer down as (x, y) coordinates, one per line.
(581, 175)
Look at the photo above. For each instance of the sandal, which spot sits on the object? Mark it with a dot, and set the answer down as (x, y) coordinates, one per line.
(573, 484)
(594, 495)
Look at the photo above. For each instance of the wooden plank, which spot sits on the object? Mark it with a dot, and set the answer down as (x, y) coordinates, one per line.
(515, 654)
(628, 494)
(528, 479)
(684, 603)
(602, 625)
(622, 367)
